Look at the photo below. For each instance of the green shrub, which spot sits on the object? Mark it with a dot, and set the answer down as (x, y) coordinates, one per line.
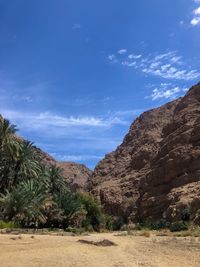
(118, 223)
(74, 230)
(94, 214)
(4, 225)
(178, 226)
(185, 214)
(160, 224)
(108, 221)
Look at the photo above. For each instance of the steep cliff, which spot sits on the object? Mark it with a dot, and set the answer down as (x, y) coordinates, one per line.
(155, 172)
(173, 182)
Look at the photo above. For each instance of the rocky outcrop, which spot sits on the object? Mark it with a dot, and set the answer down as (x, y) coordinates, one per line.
(116, 178)
(77, 175)
(173, 182)
(155, 172)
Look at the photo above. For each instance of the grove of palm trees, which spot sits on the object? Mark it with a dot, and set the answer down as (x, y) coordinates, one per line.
(34, 194)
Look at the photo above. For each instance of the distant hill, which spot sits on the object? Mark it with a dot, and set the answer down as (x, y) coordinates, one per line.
(77, 175)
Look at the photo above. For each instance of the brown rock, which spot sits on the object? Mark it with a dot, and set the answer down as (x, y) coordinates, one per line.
(155, 172)
(77, 175)
(173, 181)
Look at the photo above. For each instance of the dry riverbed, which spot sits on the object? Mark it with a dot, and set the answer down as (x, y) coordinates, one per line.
(65, 251)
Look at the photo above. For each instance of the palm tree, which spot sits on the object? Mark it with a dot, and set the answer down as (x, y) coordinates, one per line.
(26, 162)
(25, 203)
(70, 205)
(7, 145)
(6, 131)
(19, 162)
(56, 180)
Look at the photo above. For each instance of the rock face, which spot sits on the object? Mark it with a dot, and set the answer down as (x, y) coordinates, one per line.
(155, 172)
(76, 175)
(173, 182)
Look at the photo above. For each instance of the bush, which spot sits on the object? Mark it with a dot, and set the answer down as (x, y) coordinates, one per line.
(108, 221)
(94, 214)
(160, 224)
(4, 225)
(185, 214)
(178, 226)
(74, 230)
(153, 225)
(118, 223)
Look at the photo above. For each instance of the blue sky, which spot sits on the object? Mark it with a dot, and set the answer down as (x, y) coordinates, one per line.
(75, 74)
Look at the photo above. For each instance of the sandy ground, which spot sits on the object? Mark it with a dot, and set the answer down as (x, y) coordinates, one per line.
(66, 251)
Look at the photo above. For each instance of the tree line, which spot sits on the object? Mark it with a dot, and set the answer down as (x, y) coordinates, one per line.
(35, 194)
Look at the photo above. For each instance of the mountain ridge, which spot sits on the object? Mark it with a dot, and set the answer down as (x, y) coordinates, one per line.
(139, 180)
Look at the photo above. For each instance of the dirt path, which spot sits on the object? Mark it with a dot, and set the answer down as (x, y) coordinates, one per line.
(65, 251)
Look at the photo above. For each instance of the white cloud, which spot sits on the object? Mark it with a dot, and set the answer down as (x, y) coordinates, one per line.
(169, 93)
(47, 120)
(166, 91)
(166, 65)
(197, 11)
(122, 51)
(132, 56)
(129, 112)
(176, 59)
(196, 15)
(168, 71)
(129, 64)
(195, 21)
(112, 58)
(64, 157)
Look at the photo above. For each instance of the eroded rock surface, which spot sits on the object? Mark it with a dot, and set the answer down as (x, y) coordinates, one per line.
(155, 172)
(76, 175)
(173, 182)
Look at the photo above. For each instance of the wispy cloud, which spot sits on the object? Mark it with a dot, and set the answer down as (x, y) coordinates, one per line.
(167, 65)
(166, 91)
(132, 112)
(122, 51)
(112, 58)
(129, 64)
(196, 15)
(132, 56)
(46, 119)
(79, 158)
(72, 138)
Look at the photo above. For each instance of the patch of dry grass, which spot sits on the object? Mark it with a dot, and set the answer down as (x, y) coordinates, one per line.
(145, 233)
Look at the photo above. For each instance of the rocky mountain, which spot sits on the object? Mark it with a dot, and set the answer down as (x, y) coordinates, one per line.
(155, 172)
(77, 175)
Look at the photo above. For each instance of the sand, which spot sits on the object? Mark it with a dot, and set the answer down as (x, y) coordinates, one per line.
(66, 251)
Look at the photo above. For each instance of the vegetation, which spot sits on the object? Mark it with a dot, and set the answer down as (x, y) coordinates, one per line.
(33, 194)
(4, 224)
(178, 226)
